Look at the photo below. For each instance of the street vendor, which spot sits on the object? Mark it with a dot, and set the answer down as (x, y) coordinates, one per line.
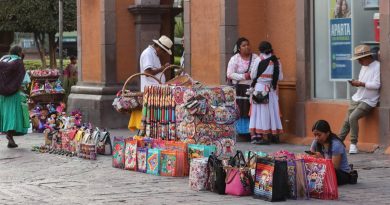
(150, 60)
(150, 63)
(327, 145)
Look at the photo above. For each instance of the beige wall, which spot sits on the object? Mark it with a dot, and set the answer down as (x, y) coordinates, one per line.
(90, 41)
(125, 37)
(205, 41)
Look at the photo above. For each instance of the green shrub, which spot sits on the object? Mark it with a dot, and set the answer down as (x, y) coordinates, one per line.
(36, 64)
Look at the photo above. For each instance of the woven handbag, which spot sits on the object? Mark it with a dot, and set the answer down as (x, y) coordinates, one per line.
(180, 79)
(127, 100)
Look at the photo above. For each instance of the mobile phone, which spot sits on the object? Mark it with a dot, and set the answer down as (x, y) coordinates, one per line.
(349, 81)
(310, 152)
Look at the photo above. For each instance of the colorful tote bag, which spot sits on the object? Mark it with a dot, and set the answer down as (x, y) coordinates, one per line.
(321, 178)
(199, 151)
(198, 174)
(153, 161)
(271, 179)
(131, 154)
(142, 154)
(292, 180)
(168, 163)
(302, 191)
(118, 153)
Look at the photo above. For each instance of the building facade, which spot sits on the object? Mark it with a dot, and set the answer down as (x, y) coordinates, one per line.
(306, 35)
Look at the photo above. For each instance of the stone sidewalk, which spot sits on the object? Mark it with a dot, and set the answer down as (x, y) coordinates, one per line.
(32, 178)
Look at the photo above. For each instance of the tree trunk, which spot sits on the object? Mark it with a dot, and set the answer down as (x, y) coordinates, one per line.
(52, 50)
(39, 39)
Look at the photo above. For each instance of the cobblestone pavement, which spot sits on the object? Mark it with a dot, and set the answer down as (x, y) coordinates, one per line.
(27, 177)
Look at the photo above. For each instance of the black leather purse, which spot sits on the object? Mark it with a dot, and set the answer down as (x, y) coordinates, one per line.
(261, 98)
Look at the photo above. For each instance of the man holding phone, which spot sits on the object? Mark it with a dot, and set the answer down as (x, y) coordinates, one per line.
(366, 96)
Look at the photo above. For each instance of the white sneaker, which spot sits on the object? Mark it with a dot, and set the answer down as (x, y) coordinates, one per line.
(353, 149)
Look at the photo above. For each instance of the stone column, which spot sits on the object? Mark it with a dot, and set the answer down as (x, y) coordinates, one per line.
(94, 95)
(384, 108)
(187, 35)
(228, 33)
(147, 22)
(303, 82)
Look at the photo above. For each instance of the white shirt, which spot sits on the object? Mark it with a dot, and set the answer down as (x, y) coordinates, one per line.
(149, 59)
(237, 68)
(370, 75)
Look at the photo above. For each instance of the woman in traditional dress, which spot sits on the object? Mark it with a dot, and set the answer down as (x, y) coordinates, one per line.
(238, 73)
(12, 119)
(265, 117)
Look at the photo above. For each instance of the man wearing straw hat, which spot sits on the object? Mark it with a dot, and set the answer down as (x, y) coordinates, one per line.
(150, 61)
(366, 96)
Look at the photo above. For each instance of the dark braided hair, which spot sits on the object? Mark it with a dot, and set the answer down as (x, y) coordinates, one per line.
(239, 42)
(323, 126)
(266, 48)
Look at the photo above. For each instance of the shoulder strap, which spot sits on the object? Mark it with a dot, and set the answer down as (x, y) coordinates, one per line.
(250, 62)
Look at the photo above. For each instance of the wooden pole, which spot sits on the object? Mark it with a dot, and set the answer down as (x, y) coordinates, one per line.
(61, 30)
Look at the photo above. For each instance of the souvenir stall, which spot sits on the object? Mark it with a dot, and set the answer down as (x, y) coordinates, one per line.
(46, 98)
(181, 121)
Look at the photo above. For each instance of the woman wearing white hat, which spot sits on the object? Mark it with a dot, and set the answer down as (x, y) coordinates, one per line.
(150, 61)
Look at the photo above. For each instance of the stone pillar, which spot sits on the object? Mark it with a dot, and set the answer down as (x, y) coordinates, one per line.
(97, 69)
(228, 33)
(187, 35)
(303, 82)
(384, 108)
(147, 22)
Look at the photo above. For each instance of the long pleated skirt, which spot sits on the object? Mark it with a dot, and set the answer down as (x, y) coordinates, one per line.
(11, 114)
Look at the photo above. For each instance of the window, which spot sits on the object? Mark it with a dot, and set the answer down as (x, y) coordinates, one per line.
(339, 26)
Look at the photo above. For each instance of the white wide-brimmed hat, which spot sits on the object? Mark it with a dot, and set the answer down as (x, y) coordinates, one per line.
(361, 51)
(165, 43)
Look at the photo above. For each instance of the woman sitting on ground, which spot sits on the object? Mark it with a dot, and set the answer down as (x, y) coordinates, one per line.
(328, 145)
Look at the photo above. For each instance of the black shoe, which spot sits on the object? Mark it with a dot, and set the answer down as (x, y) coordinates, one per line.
(12, 145)
(263, 142)
(275, 139)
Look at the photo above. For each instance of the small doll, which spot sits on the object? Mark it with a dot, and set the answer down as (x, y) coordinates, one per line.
(48, 86)
(77, 117)
(51, 108)
(36, 87)
(60, 108)
(58, 88)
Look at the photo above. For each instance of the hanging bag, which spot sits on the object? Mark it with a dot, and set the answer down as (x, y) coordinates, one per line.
(127, 100)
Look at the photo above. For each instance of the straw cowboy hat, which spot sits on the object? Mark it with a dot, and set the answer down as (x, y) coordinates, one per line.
(361, 51)
(165, 43)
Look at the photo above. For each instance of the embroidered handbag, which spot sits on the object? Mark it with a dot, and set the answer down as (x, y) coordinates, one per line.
(321, 178)
(261, 98)
(216, 175)
(168, 163)
(118, 153)
(103, 146)
(271, 179)
(198, 174)
(153, 161)
(142, 154)
(131, 154)
(199, 151)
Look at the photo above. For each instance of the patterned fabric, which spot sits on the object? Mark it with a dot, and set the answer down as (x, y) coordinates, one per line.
(198, 174)
(168, 163)
(131, 154)
(118, 153)
(142, 154)
(153, 161)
